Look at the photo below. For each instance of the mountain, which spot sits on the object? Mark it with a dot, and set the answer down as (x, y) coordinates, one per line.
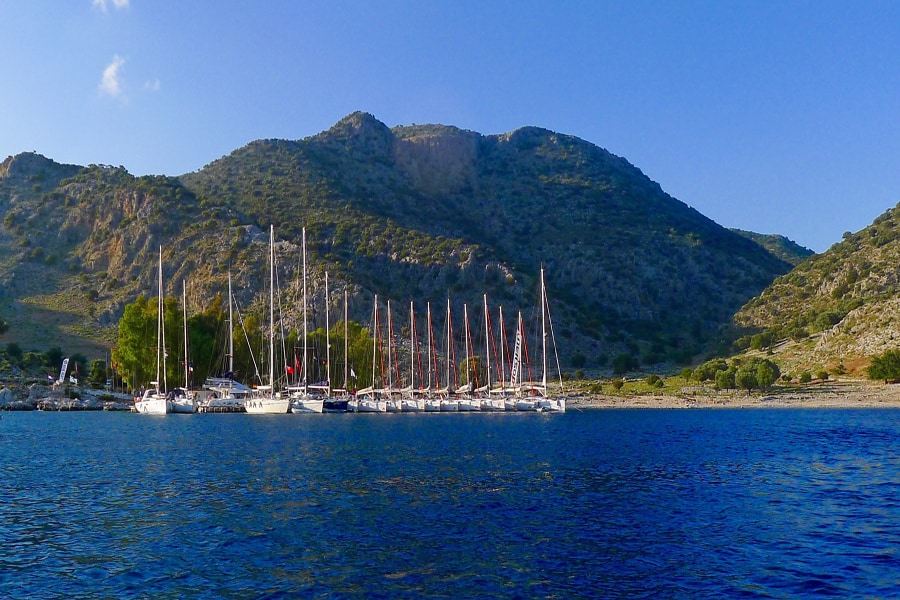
(421, 212)
(787, 250)
(837, 308)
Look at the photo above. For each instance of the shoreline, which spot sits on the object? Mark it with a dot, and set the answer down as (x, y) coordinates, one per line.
(830, 394)
(839, 394)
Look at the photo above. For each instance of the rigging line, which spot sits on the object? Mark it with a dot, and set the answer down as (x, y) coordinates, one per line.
(247, 339)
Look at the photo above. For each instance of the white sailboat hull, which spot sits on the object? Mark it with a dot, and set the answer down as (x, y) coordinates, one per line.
(413, 405)
(371, 406)
(526, 405)
(469, 405)
(432, 405)
(492, 405)
(267, 406)
(307, 405)
(448, 405)
(555, 405)
(153, 404)
(184, 405)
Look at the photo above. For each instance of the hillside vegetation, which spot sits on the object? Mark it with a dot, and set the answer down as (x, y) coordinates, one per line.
(838, 309)
(417, 213)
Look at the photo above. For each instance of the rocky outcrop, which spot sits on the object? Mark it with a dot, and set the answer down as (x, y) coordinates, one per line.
(18, 397)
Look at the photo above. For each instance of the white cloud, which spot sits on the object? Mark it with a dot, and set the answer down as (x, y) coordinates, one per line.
(152, 85)
(110, 83)
(103, 5)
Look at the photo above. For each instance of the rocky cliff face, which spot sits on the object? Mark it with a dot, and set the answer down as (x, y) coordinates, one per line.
(440, 161)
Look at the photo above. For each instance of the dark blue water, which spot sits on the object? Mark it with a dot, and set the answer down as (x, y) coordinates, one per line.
(630, 504)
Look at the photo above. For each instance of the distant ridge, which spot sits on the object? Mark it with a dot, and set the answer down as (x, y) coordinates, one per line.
(782, 247)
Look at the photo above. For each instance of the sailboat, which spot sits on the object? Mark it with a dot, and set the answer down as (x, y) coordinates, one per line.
(223, 393)
(368, 400)
(264, 399)
(488, 403)
(302, 401)
(449, 403)
(503, 391)
(467, 402)
(340, 399)
(548, 403)
(392, 395)
(524, 404)
(154, 400)
(412, 397)
(185, 401)
(432, 398)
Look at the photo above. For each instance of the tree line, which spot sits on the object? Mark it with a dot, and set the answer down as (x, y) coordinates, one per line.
(134, 358)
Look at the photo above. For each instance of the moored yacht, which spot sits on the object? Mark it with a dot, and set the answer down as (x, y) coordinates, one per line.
(369, 401)
(155, 401)
(304, 401)
(264, 399)
(183, 401)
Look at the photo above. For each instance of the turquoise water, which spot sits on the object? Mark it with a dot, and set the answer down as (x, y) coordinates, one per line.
(643, 503)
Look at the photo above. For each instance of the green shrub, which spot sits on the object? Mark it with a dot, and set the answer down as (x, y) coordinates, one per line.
(725, 379)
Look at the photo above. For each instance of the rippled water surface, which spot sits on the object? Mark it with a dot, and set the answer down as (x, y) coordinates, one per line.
(631, 504)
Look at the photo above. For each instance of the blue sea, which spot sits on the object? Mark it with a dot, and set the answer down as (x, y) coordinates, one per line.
(595, 504)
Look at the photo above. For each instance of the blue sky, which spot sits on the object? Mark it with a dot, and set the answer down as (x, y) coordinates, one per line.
(778, 117)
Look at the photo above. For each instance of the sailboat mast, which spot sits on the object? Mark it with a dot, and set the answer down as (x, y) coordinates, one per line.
(160, 332)
(449, 333)
(430, 335)
(487, 344)
(466, 335)
(346, 345)
(390, 343)
(272, 309)
(412, 347)
(230, 331)
(305, 333)
(374, 340)
(327, 338)
(544, 331)
(502, 351)
(184, 302)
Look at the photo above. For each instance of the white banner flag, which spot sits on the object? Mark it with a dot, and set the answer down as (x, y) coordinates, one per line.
(517, 359)
(62, 372)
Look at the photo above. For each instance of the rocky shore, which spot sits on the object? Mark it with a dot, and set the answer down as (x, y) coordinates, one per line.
(843, 393)
(36, 396)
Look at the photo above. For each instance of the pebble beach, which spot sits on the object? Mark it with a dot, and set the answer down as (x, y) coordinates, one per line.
(840, 393)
